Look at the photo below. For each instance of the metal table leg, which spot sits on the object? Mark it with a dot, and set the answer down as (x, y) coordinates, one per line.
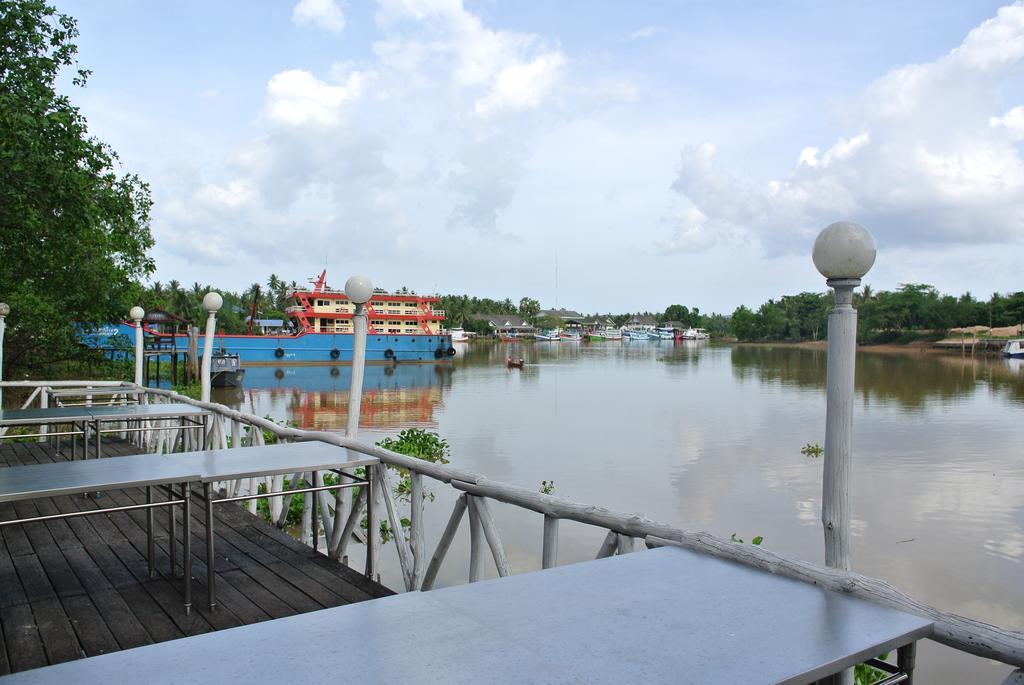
(99, 452)
(171, 527)
(210, 559)
(314, 524)
(150, 546)
(371, 561)
(905, 658)
(186, 562)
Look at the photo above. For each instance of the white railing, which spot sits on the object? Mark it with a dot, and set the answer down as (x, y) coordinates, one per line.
(623, 530)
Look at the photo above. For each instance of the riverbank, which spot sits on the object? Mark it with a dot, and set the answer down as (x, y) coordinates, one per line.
(915, 347)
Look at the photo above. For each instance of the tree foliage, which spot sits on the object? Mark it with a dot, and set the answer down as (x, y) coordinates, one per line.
(75, 230)
(882, 316)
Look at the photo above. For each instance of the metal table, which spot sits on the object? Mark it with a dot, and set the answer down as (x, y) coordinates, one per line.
(660, 616)
(82, 418)
(271, 460)
(78, 418)
(37, 481)
(84, 396)
(189, 417)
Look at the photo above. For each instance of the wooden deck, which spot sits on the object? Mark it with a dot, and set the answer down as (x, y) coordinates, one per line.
(80, 587)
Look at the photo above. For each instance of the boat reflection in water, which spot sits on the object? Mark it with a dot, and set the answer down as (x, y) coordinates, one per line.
(316, 397)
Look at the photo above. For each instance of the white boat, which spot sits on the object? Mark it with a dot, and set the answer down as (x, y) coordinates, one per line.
(605, 334)
(664, 333)
(635, 334)
(459, 335)
(551, 334)
(695, 334)
(569, 336)
(1014, 348)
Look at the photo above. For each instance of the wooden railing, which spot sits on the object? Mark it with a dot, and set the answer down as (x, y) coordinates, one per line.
(419, 572)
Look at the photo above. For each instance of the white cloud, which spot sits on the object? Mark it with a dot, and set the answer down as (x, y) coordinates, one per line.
(928, 161)
(430, 133)
(523, 86)
(644, 33)
(1012, 121)
(298, 98)
(689, 233)
(323, 13)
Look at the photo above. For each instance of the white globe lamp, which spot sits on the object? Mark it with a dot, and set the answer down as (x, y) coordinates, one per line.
(359, 289)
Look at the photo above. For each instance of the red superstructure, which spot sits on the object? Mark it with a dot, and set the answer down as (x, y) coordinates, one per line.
(322, 309)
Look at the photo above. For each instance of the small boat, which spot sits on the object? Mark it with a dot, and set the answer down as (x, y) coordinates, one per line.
(695, 334)
(514, 364)
(508, 337)
(548, 335)
(569, 336)
(663, 333)
(459, 335)
(635, 334)
(1014, 348)
(605, 334)
(225, 370)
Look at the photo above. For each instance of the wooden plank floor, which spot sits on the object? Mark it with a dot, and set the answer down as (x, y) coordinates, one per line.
(80, 587)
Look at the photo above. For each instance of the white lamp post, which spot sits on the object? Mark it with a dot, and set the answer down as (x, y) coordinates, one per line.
(843, 253)
(359, 290)
(211, 303)
(136, 313)
(5, 309)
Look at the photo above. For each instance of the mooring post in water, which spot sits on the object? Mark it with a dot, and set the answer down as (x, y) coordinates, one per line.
(211, 303)
(5, 309)
(843, 253)
(136, 313)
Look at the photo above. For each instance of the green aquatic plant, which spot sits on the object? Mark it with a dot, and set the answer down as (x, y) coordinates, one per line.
(812, 450)
(757, 539)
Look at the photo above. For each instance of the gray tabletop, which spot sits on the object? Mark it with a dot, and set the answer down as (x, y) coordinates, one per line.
(94, 392)
(659, 616)
(70, 477)
(145, 411)
(74, 477)
(41, 416)
(268, 460)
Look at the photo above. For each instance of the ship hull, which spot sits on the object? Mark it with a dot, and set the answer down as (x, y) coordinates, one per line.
(325, 349)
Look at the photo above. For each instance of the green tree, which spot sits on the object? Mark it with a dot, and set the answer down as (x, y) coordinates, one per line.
(677, 312)
(75, 231)
(528, 308)
(744, 323)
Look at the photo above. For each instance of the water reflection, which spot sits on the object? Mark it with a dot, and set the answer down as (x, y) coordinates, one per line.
(913, 380)
(316, 397)
(708, 437)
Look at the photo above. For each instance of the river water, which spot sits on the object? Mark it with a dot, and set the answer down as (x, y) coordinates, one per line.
(708, 438)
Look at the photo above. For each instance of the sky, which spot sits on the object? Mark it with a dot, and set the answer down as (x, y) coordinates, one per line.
(599, 156)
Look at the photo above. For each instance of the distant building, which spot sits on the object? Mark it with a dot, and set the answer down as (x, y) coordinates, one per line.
(570, 320)
(643, 323)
